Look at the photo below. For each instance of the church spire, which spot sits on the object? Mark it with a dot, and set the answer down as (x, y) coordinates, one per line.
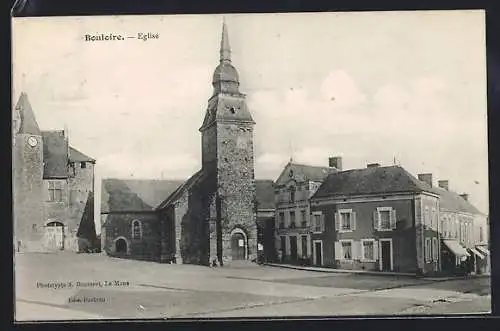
(225, 49)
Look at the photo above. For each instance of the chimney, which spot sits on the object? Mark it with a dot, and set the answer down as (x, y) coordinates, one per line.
(335, 162)
(443, 184)
(465, 196)
(426, 178)
(373, 165)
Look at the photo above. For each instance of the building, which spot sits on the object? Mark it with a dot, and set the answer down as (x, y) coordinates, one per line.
(211, 218)
(293, 189)
(463, 229)
(130, 217)
(53, 187)
(376, 218)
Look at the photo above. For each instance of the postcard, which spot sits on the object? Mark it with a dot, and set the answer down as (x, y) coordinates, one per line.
(250, 165)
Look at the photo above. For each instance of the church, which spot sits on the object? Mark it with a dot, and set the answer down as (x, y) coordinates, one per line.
(211, 218)
(52, 188)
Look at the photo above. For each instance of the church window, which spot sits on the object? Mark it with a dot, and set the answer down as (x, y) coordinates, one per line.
(55, 191)
(136, 229)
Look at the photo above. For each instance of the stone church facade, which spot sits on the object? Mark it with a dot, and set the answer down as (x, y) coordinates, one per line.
(211, 218)
(53, 186)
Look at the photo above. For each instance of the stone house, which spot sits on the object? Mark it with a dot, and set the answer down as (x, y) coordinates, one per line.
(293, 189)
(53, 186)
(211, 218)
(376, 218)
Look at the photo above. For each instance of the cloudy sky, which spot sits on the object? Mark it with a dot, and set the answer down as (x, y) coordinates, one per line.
(369, 87)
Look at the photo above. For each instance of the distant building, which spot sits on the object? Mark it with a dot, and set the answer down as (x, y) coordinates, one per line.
(53, 187)
(211, 218)
(464, 231)
(293, 189)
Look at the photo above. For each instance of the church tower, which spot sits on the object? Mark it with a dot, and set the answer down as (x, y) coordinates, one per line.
(227, 154)
(27, 173)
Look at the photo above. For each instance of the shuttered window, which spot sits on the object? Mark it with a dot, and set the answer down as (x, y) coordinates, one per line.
(345, 220)
(384, 219)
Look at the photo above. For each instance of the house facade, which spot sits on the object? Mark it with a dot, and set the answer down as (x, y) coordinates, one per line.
(293, 189)
(377, 218)
(53, 187)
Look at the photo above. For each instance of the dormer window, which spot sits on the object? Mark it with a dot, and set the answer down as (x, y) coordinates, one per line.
(83, 165)
(232, 110)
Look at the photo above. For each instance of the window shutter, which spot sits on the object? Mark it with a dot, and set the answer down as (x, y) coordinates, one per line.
(353, 215)
(375, 250)
(359, 245)
(337, 221)
(393, 219)
(355, 250)
(322, 218)
(375, 220)
(338, 250)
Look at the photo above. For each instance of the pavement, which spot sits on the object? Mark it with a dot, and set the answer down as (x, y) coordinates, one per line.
(93, 287)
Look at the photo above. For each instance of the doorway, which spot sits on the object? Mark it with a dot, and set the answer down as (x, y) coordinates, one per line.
(386, 254)
(54, 236)
(318, 253)
(238, 246)
(121, 246)
(293, 248)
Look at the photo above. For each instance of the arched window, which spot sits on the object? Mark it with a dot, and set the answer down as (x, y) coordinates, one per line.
(136, 229)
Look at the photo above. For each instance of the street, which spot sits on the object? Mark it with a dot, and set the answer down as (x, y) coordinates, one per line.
(65, 285)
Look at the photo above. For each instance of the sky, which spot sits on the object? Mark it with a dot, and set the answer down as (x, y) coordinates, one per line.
(370, 87)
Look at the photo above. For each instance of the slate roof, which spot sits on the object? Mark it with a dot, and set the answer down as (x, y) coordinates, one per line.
(135, 195)
(453, 202)
(196, 177)
(55, 154)
(77, 156)
(307, 172)
(264, 190)
(391, 179)
(29, 124)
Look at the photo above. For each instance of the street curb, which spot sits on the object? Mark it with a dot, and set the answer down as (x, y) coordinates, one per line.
(376, 273)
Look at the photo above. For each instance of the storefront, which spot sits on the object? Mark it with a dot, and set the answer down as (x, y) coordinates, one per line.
(455, 258)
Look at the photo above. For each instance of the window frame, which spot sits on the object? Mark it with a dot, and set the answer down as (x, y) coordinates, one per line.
(391, 211)
(318, 215)
(342, 254)
(363, 257)
(427, 250)
(133, 236)
(351, 221)
(53, 187)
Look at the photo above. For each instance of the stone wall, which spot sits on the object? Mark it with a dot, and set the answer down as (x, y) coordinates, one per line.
(119, 225)
(28, 209)
(236, 187)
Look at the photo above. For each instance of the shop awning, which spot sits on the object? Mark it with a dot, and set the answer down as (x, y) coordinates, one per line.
(476, 252)
(483, 249)
(456, 248)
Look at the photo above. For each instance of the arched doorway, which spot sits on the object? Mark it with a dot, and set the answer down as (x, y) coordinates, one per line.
(54, 235)
(121, 246)
(238, 245)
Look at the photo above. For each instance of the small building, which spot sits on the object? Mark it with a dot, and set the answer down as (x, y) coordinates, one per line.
(376, 218)
(293, 189)
(53, 188)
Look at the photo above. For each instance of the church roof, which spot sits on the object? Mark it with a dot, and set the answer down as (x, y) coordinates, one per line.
(77, 156)
(264, 191)
(29, 124)
(55, 154)
(135, 195)
(175, 195)
(372, 180)
(453, 202)
(303, 172)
